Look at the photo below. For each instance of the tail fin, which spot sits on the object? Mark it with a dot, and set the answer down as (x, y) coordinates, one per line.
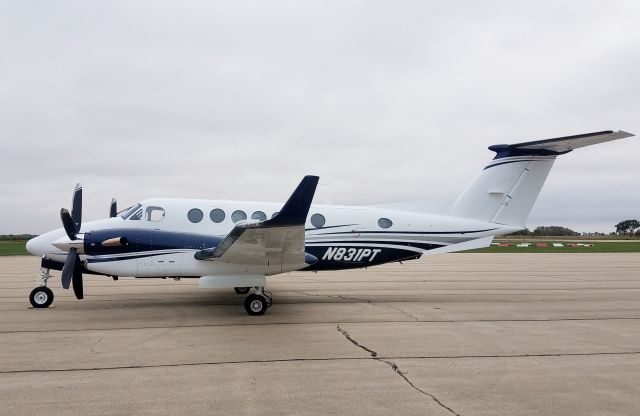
(509, 185)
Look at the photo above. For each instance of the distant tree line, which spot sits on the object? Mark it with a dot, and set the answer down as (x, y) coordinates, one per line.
(626, 227)
(16, 237)
(544, 231)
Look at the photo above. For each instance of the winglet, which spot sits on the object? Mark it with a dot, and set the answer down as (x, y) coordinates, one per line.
(296, 209)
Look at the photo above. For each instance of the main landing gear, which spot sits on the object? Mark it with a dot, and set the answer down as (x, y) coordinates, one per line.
(256, 303)
(42, 296)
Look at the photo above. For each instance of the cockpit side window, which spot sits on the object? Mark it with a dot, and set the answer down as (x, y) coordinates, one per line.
(127, 212)
(154, 214)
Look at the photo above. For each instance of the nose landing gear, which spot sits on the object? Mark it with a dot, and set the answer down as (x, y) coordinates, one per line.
(42, 296)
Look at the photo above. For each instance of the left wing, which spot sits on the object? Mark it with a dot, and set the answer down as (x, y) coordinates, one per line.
(277, 243)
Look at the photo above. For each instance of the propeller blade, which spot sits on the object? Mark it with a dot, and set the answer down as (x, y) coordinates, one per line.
(77, 282)
(113, 208)
(68, 270)
(76, 208)
(67, 223)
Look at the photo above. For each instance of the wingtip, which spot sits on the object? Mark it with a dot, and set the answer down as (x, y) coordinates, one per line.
(624, 134)
(296, 209)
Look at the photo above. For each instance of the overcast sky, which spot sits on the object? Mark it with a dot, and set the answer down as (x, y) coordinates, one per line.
(384, 100)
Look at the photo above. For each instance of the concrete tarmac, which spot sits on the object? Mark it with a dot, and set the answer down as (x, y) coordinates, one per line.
(458, 334)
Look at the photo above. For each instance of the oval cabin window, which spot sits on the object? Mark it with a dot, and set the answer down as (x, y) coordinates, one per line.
(217, 215)
(259, 215)
(238, 215)
(195, 215)
(385, 222)
(318, 220)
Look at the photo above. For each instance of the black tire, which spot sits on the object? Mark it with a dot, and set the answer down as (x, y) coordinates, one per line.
(242, 290)
(255, 305)
(41, 297)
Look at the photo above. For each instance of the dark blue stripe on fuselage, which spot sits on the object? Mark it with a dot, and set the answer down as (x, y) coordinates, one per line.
(140, 243)
(334, 257)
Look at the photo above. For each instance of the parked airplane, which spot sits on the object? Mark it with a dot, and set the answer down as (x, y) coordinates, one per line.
(216, 242)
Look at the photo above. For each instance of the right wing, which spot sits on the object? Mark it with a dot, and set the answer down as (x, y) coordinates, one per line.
(277, 243)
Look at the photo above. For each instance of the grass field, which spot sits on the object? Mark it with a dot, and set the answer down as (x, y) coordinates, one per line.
(12, 248)
(622, 246)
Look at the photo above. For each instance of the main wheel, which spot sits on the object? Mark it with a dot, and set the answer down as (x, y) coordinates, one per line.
(41, 297)
(242, 290)
(255, 305)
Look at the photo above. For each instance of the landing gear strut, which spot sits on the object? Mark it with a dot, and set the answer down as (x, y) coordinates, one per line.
(257, 303)
(42, 296)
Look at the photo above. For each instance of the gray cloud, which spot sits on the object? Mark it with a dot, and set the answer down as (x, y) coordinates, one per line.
(384, 100)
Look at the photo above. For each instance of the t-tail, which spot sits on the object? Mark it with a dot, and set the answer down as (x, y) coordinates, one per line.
(509, 185)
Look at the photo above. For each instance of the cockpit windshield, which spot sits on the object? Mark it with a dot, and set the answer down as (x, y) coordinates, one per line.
(127, 212)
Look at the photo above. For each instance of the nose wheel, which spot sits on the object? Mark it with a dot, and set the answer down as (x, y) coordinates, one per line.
(257, 303)
(41, 297)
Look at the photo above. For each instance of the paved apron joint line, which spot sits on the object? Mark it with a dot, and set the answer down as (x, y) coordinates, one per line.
(426, 321)
(287, 360)
(383, 304)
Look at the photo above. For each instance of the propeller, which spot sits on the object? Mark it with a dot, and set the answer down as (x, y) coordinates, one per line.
(72, 269)
(73, 221)
(72, 273)
(113, 208)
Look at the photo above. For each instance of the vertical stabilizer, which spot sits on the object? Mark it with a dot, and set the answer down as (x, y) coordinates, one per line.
(509, 185)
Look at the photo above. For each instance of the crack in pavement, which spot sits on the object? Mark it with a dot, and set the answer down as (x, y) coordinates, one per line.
(403, 312)
(395, 368)
(354, 342)
(402, 374)
(94, 344)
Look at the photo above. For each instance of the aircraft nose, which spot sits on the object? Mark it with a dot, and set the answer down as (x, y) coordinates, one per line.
(34, 246)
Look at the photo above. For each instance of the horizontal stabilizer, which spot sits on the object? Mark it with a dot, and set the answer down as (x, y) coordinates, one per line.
(557, 146)
(466, 245)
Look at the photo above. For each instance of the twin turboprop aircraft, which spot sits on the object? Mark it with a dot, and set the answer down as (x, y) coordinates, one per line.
(233, 244)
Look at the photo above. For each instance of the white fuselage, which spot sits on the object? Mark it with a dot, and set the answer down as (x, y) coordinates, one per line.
(349, 236)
